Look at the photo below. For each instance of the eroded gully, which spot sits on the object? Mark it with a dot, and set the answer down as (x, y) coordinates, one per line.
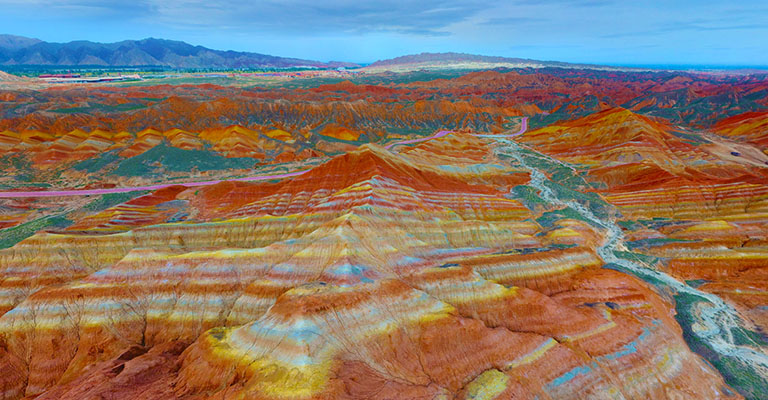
(715, 320)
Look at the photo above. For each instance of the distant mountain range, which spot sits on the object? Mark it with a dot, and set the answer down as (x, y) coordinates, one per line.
(22, 51)
(467, 61)
(17, 50)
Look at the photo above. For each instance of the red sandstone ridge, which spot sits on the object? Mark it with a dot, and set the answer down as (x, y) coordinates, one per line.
(697, 203)
(376, 273)
(50, 150)
(751, 127)
(627, 151)
(329, 245)
(563, 93)
(340, 132)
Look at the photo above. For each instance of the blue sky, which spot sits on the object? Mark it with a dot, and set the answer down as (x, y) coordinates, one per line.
(702, 32)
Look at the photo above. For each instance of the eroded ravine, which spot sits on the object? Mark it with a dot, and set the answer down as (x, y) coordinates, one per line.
(716, 321)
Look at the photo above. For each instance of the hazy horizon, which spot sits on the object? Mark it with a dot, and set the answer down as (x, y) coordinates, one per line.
(696, 33)
(671, 66)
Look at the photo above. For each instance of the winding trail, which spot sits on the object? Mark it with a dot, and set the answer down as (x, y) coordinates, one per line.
(716, 321)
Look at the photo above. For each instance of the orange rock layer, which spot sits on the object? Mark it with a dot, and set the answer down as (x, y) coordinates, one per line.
(375, 275)
(696, 203)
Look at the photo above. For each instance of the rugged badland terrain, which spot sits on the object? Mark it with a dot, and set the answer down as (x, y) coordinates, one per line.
(528, 233)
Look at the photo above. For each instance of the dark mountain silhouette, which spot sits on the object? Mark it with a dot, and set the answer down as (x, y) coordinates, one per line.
(16, 50)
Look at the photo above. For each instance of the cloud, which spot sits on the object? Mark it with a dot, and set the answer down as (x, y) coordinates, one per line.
(570, 3)
(568, 30)
(686, 27)
(79, 8)
(517, 20)
(426, 17)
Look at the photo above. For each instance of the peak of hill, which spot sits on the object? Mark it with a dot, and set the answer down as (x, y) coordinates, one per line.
(446, 58)
(750, 127)
(6, 77)
(605, 128)
(464, 61)
(626, 150)
(15, 50)
(16, 42)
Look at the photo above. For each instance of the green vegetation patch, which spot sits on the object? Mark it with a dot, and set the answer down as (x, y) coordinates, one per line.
(630, 225)
(744, 380)
(690, 138)
(529, 196)
(591, 200)
(11, 236)
(164, 157)
(549, 218)
(568, 183)
(695, 283)
(653, 242)
(648, 278)
(100, 163)
(104, 108)
(110, 200)
(636, 257)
